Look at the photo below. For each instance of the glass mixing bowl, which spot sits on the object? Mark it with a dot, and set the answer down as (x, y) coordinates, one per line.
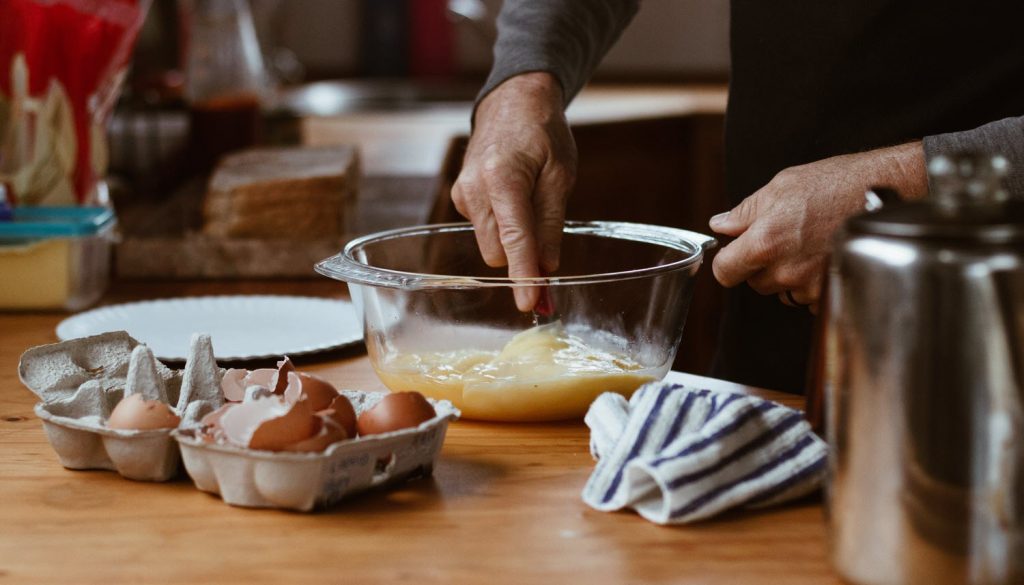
(438, 320)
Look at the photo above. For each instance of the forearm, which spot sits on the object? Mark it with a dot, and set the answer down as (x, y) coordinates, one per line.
(567, 38)
(1005, 137)
(535, 96)
(900, 168)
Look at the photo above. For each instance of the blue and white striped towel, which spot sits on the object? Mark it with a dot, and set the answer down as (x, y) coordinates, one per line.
(677, 455)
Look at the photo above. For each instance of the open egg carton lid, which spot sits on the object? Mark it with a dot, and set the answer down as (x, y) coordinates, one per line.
(304, 481)
(80, 381)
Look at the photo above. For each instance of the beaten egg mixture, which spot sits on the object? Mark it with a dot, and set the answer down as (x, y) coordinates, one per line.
(543, 373)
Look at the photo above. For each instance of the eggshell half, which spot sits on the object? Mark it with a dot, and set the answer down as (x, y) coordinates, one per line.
(212, 419)
(329, 433)
(343, 413)
(261, 377)
(319, 391)
(233, 384)
(134, 412)
(268, 423)
(277, 433)
(256, 392)
(279, 381)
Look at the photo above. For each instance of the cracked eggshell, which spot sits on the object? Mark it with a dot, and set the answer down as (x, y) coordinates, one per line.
(232, 385)
(343, 413)
(212, 419)
(261, 377)
(256, 392)
(320, 392)
(279, 380)
(329, 433)
(236, 381)
(270, 423)
(304, 481)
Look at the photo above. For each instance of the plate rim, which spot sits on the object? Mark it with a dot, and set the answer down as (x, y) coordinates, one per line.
(339, 343)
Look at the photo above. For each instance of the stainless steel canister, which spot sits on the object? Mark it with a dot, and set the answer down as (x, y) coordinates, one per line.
(925, 385)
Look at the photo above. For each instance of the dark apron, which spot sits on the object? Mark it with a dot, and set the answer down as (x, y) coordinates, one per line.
(812, 79)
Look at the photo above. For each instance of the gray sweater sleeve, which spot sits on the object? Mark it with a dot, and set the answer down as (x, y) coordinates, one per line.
(566, 38)
(1005, 137)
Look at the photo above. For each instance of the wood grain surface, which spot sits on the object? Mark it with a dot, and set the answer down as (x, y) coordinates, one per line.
(503, 506)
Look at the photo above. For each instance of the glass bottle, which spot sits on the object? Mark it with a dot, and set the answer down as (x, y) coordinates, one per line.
(225, 78)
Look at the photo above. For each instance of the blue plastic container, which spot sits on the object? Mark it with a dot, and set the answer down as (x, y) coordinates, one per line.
(55, 257)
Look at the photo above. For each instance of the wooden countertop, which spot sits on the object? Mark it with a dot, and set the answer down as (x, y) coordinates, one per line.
(503, 506)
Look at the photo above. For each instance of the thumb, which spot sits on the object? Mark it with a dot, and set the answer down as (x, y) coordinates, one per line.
(735, 221)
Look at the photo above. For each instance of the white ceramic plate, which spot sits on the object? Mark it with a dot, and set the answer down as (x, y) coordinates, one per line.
(242, 327)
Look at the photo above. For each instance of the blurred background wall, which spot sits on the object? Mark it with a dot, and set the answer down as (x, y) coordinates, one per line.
(668, 40)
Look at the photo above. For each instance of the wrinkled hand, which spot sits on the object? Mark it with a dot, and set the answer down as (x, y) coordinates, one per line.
(519, 168)
(784, 231)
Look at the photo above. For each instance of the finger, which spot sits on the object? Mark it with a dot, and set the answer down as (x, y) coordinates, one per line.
(473, 204)
(740, 260)
(487, 239)
(782, 275)
(737, 220)
(521, 251)
(804, 297)
(511, 204)
(785, 300)
(767, 282)
(791, 299)
(552, 190)
(800, 297)
(809, 295)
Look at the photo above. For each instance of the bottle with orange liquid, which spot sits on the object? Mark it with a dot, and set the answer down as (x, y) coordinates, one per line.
(225, 79)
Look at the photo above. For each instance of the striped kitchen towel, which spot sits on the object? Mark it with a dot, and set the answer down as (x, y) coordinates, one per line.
(675, 454)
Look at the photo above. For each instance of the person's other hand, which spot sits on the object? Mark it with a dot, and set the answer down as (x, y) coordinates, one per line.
(784, 231)
(520, 165)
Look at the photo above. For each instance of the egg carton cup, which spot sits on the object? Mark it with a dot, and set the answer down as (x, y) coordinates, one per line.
(304, 481)
(80, 381)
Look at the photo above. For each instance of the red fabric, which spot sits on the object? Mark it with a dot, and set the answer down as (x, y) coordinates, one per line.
(80, 43)
(432, 43)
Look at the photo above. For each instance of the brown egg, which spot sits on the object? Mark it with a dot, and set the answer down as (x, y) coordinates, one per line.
(269, 423)
(329, 433)
(134, 412)
(319, 391)
(395, 411)
(342, 412)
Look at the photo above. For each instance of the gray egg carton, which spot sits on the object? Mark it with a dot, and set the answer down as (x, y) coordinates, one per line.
(80, 381)
(304, 481)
